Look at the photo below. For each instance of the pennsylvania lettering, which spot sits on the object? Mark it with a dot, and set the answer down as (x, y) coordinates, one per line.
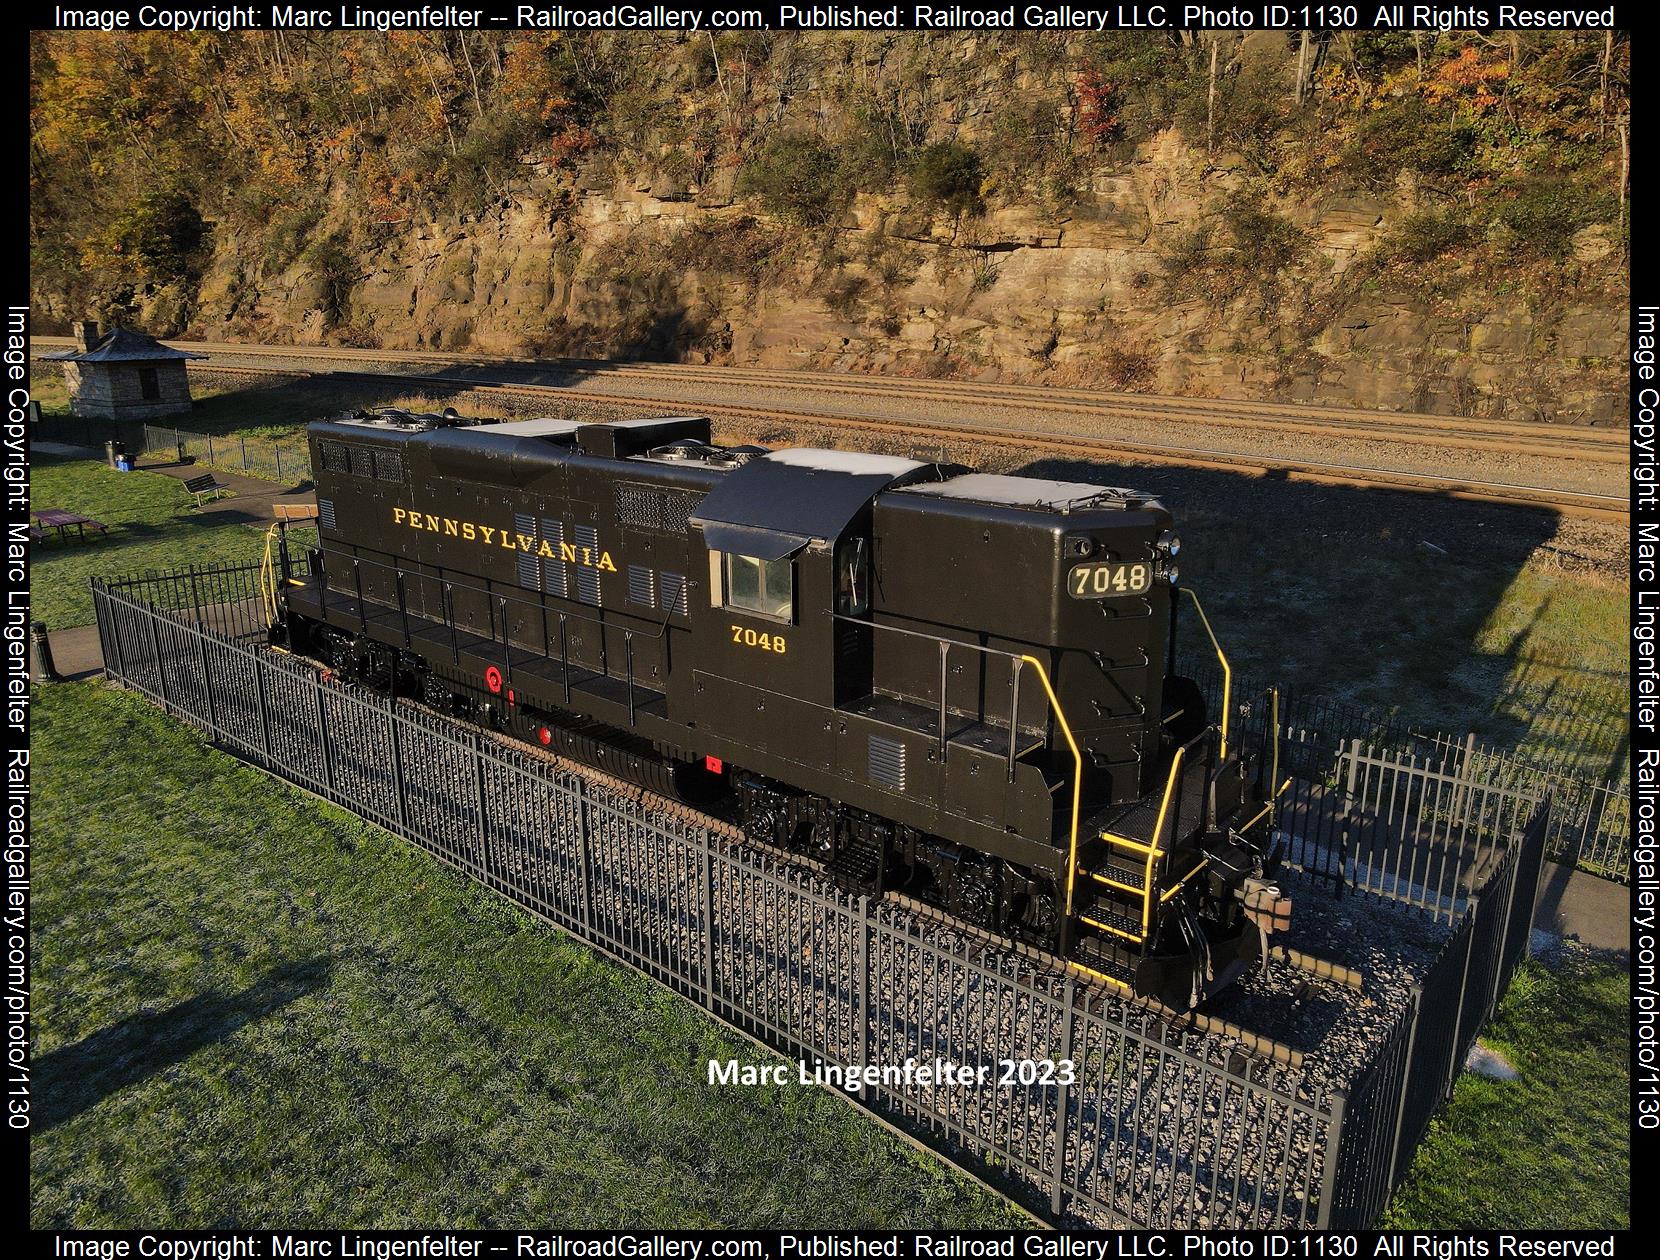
(507, 539)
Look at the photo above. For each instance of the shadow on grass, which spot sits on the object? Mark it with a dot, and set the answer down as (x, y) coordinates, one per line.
(78, 1077)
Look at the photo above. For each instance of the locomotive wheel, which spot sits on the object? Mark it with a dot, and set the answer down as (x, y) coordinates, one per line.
(978, 895)
(335, 647)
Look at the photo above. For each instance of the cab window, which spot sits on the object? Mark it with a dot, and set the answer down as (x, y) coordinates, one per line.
(765, 587)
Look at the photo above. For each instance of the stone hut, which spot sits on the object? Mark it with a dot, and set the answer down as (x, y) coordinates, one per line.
(124, 375)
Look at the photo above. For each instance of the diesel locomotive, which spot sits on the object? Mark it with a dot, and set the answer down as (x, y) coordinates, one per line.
(952, 685)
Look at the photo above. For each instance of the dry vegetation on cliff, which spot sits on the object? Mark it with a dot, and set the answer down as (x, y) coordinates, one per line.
(1434, 221)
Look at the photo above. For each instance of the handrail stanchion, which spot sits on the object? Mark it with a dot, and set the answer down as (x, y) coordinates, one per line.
(945, 651)
(1015, 669)
(1227, 670)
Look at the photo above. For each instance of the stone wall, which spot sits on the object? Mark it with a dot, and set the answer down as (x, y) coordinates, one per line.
(1021, 294)
(113, 390)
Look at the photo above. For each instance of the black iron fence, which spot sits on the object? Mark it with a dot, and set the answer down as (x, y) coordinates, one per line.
(1164, 1124)
(1590, 817)
(285, 462)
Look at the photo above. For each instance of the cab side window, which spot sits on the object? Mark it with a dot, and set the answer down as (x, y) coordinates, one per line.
(765, 587)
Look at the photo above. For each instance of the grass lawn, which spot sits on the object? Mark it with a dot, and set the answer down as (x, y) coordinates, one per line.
(1552, 1149)
(155, 526)
(255, 1008)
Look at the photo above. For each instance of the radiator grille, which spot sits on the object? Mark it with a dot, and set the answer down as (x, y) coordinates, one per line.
(389, 465)
(674, 594)
(334, 456)
(642, 586)
(677, 507)
(556, 577)
(529, 570)
(639, 506)
(887, 762)
(587, 579)
(363, 461)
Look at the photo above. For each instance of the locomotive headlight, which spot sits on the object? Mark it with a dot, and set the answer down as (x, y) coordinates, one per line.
(1171, 573)
(1083, 546)
(1170, 544)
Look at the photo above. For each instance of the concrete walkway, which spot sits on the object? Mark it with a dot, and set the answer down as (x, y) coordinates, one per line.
(253, 499)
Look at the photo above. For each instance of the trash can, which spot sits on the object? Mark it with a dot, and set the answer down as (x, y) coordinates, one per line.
(110, 449)
(118, 454)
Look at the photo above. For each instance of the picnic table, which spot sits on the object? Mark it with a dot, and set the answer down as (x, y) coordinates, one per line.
(63, 521)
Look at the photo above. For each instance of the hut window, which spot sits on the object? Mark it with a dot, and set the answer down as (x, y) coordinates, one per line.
(148, 385)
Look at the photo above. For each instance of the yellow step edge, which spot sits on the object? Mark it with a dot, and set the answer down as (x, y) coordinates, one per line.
(1137, 845)
(1113, 883)
(1107, 927)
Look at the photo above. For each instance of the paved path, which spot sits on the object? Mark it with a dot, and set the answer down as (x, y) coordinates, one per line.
(255, 499)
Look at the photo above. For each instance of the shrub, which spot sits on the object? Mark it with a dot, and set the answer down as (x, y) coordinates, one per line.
(331, 258)
(1264, 242)
(1542, 218)
(795, 178)
(948, 174)
(1405, 135)
(1427, 234)
(165, 232)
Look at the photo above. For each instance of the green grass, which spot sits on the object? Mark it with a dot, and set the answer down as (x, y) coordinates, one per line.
(1553, 1148)
(154, 526)
(1500, 641)
(254, 1008)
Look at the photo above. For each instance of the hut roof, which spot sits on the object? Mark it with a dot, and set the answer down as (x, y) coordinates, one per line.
(122, 345)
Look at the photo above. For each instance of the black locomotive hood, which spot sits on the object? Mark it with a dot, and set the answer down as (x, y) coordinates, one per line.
(774, 506)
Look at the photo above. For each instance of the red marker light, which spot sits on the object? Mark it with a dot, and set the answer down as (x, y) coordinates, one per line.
(511, 698)
(545, 735)
(492, 680)
(713, 765)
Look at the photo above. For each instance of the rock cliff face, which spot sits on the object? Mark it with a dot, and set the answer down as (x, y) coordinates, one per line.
(1123, 290)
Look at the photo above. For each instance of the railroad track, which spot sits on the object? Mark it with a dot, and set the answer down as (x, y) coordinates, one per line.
(657, 386)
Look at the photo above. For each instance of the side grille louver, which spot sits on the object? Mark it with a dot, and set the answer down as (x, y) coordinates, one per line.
(887, 762)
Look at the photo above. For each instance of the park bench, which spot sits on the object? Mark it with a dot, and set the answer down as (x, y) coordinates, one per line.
(295, 511)
(204, 486)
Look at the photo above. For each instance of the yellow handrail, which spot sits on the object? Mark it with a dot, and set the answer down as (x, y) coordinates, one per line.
(1274, 776)
(1077, 775)
(1153, 852)
(1227, 670)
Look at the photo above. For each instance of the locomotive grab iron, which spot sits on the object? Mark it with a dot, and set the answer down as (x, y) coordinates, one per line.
(955, 685)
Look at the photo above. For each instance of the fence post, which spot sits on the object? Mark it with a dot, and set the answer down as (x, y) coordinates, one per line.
(397, 766)
(1415, 1007)
(706, 859)
(1057, 1171)
(584, 859)
(278, 448)
(323, 732)
(861, 992)
(244, 452)
(1328, 1174)
(112, 611)
(1472, 913)
(483, 818)
(207, 675)
(161, 670)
